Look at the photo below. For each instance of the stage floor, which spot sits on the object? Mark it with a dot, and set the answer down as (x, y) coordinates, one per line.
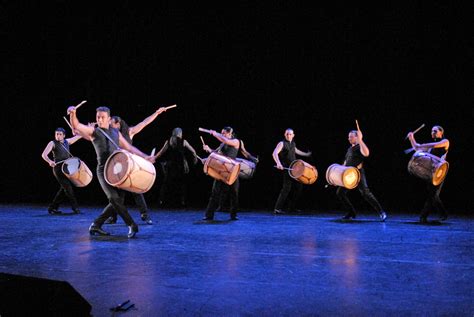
(261, 265)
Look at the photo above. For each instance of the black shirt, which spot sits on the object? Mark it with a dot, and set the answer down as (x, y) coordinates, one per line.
(439, 151)
(102, 145)
(60, 151)
(353, 156)
(287, 153)
(229, 150)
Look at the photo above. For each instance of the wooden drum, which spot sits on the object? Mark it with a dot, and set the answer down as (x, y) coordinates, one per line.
(222, 168)
(303, 172)
(343, 176)
(77, 172)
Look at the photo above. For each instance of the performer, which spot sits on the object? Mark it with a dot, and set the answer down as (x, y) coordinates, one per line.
(284, 153)
(355, 156)
(60, 149)
(128, 133)
(175, 166)
(102, 138)
(439, 148)
(229, 147)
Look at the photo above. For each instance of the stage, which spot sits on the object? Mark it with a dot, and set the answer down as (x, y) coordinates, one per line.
(261, 265)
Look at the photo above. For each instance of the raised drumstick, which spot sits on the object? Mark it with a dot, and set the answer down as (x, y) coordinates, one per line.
(202, 140)
(205, 130)
(419, 128)
(68, 123)
(357, 124)
(83, 102)
(153, 152)
(173, 106)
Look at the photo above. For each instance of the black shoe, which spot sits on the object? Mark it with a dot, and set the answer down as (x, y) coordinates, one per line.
(54, 211)
(278, 212)
(234, 217)
(383, 216)
(423, 219)
(96, 230)
(111, 221)
(206, 218)
(76, 211)
(145, 217)
(349, 216)
(132, 231)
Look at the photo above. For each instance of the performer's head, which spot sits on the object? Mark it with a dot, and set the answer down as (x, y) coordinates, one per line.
(59, 134)
(352, 137)
(228, 132)
(103, 117)
(437, 132)
(177, 133)
(118, 123)
(289, 134)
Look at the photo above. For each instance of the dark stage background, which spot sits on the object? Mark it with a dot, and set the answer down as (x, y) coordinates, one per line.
(257, 69)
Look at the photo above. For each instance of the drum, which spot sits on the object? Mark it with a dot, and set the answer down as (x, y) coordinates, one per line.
(222, 168)
(303, 172)
(77, 172)
(247, 168)
(129, 172)
(343, 176)
(428, 167)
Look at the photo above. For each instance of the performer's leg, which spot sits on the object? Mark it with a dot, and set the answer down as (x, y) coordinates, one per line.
(60, 194)
(297, 190)
(233, 191)
(214, 199)
(429, 203)
(368, 196)
(346, 203)
(443, 213)
(285, 190)
(142, 207)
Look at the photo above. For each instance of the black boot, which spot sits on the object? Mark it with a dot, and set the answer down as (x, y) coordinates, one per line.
(132, 231)
(97, 230)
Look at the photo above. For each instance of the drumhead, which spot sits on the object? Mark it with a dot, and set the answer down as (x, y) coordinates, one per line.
(351, 177)
(116, 168)
(296, 169)
(71, 166)
(440, 173)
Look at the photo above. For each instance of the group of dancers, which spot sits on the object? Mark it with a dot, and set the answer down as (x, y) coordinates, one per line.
(111, 133)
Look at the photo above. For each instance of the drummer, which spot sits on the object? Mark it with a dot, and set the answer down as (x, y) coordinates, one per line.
(355, 156)
(60, 149)
(103, 138)
(229, 147)
(283, 155)
(439, 147)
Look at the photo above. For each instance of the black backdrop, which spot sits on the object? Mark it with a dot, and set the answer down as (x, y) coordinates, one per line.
(258, 69)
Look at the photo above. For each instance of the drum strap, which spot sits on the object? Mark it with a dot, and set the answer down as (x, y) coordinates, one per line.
(66, 149)
(108, 137)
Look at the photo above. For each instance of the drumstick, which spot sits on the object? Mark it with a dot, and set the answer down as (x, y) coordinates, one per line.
(202, 160)
(419, 128)
(205, 130)
(357, 124)
(409, 150)
(153, 152)
(83, 102)
(285, 168)
(173, 106)
(68, 123)
(202, 140)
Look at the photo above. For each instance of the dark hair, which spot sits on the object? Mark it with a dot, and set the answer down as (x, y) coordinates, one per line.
(229, 129)
(354, 131)
(440, 128)
(124, 128)
(103, 109)
(60, 130)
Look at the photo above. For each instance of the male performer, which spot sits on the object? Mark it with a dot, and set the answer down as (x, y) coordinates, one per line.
(128, 133)
(355, 156)
(439, 148)
(283, 154)
(229, 147)
(176, 166)
(105, 139)
(60, 149)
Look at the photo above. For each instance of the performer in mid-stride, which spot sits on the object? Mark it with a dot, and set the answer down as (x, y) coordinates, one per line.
(60, 149)
(439, 147)
(103, 138)
(355, 156)
(128, 133)
(230, 148)
(284, 154)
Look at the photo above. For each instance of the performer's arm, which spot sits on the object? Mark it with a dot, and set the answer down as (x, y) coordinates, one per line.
(81, 129)
(73, 139)
(127, 146)
(223, 139)
(189, 147)
(163, 150)
(247, 153)
(276, 151)
(136, 129)
(46, 152)
(364, 150)
(301, 153)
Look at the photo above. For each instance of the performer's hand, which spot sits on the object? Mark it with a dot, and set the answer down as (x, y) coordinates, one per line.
(150, 158)
(279, 166)
(309, 153)
(52, 164)
(410, 135)
(195, 160)
(161, 110)
(212, 132)
(206, 148)
(71, 110)
(359, 135)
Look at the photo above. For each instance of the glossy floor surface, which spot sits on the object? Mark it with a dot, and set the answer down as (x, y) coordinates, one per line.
(260, 265)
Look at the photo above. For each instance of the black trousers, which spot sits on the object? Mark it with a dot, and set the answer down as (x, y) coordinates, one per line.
(174, 183)
(65, 189)
(116, 199)
(364, 191)
(218, 189)
(433, 202)
(288, 183)
(139, 202)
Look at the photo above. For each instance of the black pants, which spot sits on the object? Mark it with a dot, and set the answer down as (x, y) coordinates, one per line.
(364, 191)
(218, 188)
(65, 189)
(139, 202)
(288, 183)
(116, 199)
(433, 202)
(174, 184)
